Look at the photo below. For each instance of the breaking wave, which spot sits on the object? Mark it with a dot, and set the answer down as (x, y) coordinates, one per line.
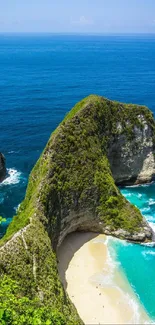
(13, 177)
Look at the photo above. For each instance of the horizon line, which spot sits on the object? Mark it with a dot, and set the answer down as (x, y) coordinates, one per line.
(78, 33)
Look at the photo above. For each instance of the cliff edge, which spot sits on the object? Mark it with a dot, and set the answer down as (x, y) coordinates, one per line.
(100, 144)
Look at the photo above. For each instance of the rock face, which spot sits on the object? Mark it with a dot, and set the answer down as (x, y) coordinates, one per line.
(2, 167)
(99, 144)
(133, 162)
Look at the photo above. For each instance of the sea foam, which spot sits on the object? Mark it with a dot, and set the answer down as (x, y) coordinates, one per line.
(107, 278)
(151, 202)
(13, 177)
(151, 252)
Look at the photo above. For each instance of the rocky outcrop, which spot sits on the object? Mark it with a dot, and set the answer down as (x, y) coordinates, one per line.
(2, 167)
(132, 159)
(99, 144)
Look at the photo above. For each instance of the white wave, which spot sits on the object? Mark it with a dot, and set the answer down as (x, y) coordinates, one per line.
(152, 244)
(112, 262)
(150, 322)
(151, 252)
(12, 151)
(152, 225)
(122, 242)
(151, 202)
(14, 177)
(17, 208)
(109, 281)
(145, 209)
(131, 186)
(127, 194)
(135, 308)
(150, 218)
(140, 185)
(139, 196)
(106, 279)
(148, 184)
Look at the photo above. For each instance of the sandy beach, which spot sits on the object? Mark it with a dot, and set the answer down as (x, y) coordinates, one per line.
(93, 286)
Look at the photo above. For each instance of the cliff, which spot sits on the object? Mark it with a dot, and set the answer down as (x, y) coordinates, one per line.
(73, 186)
(2, 167)
(131, 154)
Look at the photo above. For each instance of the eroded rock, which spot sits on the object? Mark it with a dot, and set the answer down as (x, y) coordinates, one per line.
(2, 167)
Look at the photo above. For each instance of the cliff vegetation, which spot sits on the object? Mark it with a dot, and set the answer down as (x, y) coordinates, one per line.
(73, 187)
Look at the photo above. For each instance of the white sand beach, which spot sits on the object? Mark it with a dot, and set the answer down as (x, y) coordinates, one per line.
(86, 273)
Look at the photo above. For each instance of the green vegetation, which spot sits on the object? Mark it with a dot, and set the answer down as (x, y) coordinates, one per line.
(16, 309)
(72, 178)
(113, 209)
(28, 207)
(36, 290)
(80, 141)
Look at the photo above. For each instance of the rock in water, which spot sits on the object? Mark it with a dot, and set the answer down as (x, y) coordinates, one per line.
(2, 167)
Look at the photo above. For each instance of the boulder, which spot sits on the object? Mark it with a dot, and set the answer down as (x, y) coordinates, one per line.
(2, 167)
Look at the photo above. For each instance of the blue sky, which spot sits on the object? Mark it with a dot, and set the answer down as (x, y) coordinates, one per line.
(78, 16)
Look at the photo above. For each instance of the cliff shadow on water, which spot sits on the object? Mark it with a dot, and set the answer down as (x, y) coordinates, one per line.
(73, 187)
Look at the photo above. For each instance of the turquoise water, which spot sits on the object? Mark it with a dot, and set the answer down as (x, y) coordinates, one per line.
(136, 261)
(41, 78)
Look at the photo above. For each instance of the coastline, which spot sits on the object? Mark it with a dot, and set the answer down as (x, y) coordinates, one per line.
(101, 294)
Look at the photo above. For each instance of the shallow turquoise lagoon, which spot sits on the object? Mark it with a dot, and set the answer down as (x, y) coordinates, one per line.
(138, 261)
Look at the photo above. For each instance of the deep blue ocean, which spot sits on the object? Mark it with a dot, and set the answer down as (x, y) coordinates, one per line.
(41, 78)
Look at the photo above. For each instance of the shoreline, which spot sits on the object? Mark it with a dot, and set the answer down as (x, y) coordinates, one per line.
(100, 293)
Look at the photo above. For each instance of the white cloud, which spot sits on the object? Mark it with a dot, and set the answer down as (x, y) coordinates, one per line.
(82, 21)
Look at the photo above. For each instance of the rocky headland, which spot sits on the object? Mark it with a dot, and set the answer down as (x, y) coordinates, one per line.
(2, 168)
(73, 187)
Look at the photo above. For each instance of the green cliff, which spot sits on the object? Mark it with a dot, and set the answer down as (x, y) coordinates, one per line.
(73, 186)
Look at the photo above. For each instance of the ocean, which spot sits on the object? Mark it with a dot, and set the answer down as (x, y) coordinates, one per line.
(41, 78)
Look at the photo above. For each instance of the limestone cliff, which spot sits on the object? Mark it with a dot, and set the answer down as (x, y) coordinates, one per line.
(72, 187)
(2, 167)
(131, 155)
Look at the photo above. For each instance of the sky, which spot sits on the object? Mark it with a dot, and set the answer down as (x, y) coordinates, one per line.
(77, 16)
